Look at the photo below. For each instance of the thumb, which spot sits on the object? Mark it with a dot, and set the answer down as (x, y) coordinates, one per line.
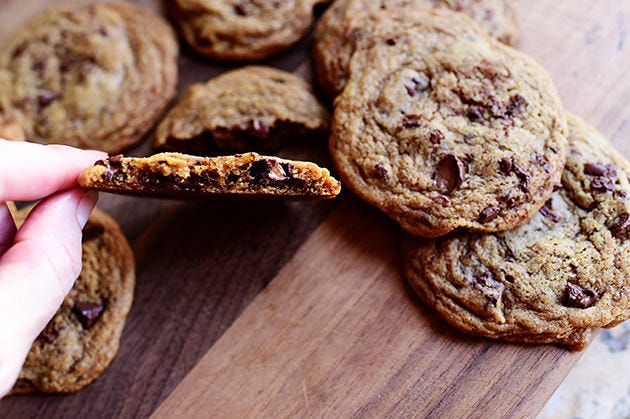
(37, 272)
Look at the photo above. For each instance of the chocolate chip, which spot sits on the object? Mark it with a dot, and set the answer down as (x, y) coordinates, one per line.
(506, 165)
(49, 334)
(554, 148)
(516, 105)
(67, 64)
(602, 184)
(548, 213)
(391, 42)
(523, 176)
(416, 85)
(271, 170)
(578, 297)
(594, 169)
(621, 227)
(488, 214)
(45, 98)
(412, 122)
(276, 171)
(542, 162)
(87, 312)
(39, 65)
(19, 50)
(92, 231)
(381, 171)
(449, 174)
(475, 113)
(240, 9)
(435, 136)
(509, 201)
(490, 287)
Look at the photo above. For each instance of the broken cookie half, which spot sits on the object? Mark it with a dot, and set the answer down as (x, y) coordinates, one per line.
(174, 175)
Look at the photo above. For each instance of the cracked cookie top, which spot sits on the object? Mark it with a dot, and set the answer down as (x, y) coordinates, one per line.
(551, 279)
(346, 21)
(95, 76)
(243, 30)
(444, 128)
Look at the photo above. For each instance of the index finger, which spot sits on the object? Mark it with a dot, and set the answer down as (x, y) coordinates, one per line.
(31, 171)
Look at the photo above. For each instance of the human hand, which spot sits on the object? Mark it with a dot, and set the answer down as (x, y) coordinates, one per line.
(40, 262)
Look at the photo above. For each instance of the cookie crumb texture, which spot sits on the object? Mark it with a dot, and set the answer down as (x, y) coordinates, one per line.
(443, 128)
(550, 280)
(83, 337)
(347, 21)
(252, 108)
(183, 176)
(94, 76)
(243, 30)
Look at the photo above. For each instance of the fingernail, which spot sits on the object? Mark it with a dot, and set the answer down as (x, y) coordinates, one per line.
(85, 207)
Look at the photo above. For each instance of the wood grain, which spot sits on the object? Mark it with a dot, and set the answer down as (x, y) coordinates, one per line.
(331, 330)
(333, 337)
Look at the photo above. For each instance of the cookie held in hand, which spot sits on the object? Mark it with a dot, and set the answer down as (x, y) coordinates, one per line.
(174, 175)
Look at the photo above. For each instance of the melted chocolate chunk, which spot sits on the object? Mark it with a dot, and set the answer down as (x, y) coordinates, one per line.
(416, 85)
(391, 42)
(49, 334)
(271, 170)
(381, 172)
(87, 312)
(449, 174)
(240, 9)
(412, 122)
(488, 214)
(621, 227)
(475, 113)
(594, 169)
(578, 297)
(490, 287)
(45, 98)
(506, 165)
(92, 231)
(516, 105)
(548, 213)
(436, 136)
(602, 184)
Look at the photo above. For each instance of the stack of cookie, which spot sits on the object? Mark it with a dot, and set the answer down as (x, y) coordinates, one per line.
(516, 215)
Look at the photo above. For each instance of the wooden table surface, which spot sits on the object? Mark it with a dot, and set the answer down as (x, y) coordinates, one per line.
(298, 308)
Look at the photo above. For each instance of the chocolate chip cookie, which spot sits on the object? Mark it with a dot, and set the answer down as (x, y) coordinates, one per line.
(252, 108)
(82, 339)
(243, 30)
(174, 175)
(442, 127)
(94, 76)
(346, 21)
(551, 279)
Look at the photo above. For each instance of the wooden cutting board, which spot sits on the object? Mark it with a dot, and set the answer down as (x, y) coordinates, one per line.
(299, 309)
